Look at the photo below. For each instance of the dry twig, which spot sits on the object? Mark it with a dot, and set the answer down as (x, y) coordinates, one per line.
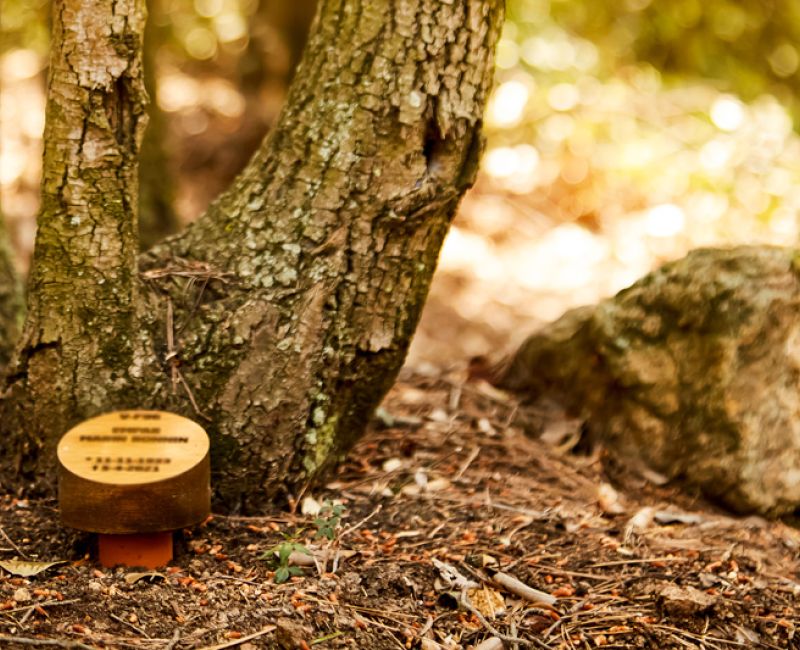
(522, 590)
(244, 639)
(139, 630)
(15, 547)
(22, 640)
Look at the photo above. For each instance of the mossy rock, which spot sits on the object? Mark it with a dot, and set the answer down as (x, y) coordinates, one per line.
(693, 371)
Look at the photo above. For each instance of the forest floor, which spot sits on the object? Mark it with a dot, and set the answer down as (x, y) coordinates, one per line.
(456, 528)
(446, 487)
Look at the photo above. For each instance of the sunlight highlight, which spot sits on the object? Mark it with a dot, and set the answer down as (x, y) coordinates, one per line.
(665, 220)
(727, 113)
(563, 97)
(507, 104)
(517, 165)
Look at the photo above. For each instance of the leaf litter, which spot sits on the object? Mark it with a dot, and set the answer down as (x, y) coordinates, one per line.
(513, 548)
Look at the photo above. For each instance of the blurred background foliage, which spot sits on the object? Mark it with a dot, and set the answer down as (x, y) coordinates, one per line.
(749, 45)
(620, 134)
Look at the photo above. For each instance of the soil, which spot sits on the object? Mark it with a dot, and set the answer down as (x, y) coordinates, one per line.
(445, 498)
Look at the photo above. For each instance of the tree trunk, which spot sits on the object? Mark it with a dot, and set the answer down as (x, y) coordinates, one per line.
(282, 316)
(77, 347)
(275, 28)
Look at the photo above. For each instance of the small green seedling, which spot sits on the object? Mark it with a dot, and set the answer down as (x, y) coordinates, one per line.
(329, 520)
(284, 550)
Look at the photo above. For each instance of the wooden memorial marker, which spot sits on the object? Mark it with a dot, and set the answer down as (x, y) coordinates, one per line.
(134, 477)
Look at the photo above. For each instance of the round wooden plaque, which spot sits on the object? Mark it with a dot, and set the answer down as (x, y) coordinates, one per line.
(134, 472)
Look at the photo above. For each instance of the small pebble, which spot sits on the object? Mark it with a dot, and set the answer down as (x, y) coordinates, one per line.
(427, 644)
(22, 595)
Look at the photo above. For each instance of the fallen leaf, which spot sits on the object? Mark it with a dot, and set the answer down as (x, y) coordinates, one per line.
(437, 484)
(25, 569)
(609, 500)
(298, 558)
(22, 595)
(641, 521)
(150, 576)
(310, 506)
(746, 636)
(392, 464)
(684, 601)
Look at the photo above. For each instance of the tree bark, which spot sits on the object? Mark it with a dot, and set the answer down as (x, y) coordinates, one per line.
(284, 314)
(11, 302)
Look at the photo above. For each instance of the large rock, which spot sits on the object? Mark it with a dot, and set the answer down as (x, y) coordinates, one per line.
(694, 371)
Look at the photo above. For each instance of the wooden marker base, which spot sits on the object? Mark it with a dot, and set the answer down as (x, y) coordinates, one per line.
(133, 477)
(147, 550)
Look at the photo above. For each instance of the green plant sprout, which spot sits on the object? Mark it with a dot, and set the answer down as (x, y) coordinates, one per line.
(284, 550)
(330, 516)
(328, 521)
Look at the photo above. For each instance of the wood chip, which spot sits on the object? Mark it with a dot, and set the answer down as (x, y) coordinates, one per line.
(492, 643)
(684, 601)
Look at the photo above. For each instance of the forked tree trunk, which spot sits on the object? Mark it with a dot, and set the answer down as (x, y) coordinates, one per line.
(282, 316)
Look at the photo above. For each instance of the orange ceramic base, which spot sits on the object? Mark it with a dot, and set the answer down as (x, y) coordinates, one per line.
(148, 550)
